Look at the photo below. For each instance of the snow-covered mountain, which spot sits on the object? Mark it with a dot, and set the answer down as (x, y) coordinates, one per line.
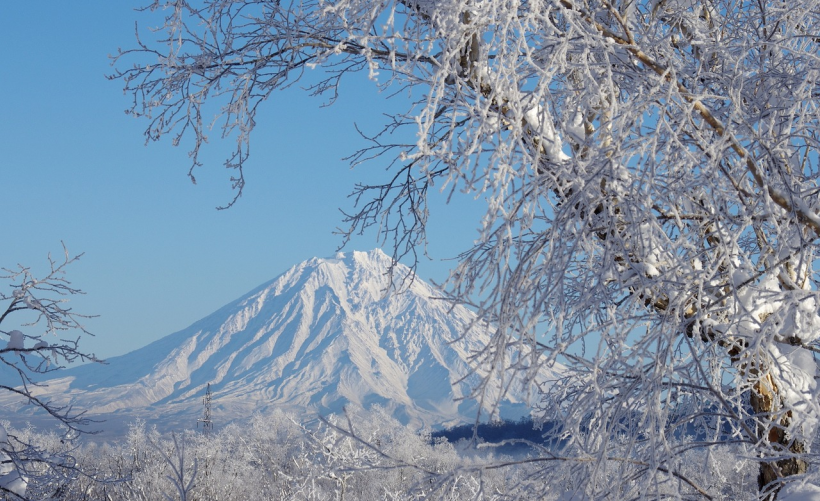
(321, 336)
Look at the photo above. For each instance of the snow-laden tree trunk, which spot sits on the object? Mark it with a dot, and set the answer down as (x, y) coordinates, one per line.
(765, 400)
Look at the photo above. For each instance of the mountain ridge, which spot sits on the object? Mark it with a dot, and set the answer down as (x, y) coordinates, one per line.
(319, 337)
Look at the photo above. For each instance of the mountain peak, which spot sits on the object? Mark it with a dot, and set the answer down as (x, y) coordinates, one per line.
(320, 336)
(374, 260)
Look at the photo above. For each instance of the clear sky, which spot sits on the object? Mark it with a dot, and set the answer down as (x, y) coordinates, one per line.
(158, 255)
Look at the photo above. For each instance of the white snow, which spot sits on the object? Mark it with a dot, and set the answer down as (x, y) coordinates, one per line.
(799, 492)
(14, 482)
(15, 340)
(575, 128)
(796, 369)
(540, 121)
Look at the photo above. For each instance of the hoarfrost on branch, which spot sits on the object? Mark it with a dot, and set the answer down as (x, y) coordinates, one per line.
(39, 346)
(650, 171)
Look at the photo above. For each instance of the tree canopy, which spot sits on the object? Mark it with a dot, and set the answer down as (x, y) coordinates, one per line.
(650, 172)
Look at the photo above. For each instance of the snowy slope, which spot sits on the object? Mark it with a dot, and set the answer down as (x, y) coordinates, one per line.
(319, 337)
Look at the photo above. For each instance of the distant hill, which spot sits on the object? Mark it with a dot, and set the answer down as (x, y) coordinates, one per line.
(321, 336)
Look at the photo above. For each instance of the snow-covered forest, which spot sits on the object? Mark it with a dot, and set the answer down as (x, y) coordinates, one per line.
(361, 456)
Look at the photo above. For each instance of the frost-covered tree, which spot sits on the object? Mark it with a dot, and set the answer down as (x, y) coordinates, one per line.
(364, 455)
(274, 456)
(39, 334)
(649, 169)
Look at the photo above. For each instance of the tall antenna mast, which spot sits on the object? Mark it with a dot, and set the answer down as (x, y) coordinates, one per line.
(207, 424)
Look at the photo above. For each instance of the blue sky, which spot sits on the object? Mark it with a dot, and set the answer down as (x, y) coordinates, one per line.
(158, 255)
